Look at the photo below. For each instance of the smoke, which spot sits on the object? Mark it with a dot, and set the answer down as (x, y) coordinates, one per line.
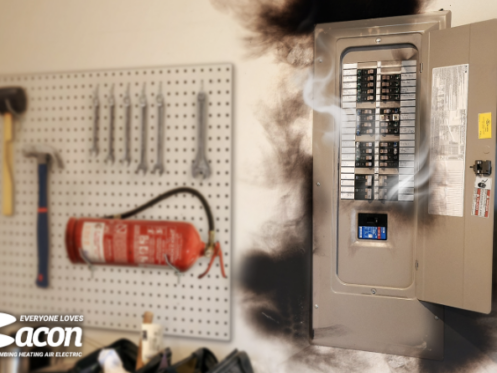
(276, 274)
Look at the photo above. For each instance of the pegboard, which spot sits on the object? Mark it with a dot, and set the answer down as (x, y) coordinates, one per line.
(60, 114)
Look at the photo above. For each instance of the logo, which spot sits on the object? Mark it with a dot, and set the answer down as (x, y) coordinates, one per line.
(5, 320)
(42, 336)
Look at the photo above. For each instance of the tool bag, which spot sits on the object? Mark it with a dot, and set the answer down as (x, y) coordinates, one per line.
(126, 350)
(201, 361)
(204, 361)
(236, 362)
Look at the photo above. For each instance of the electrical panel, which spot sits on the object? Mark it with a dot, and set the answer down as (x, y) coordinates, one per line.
(403, 148)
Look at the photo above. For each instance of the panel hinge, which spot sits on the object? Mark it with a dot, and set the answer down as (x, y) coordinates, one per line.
(416, 265)
(421, 67)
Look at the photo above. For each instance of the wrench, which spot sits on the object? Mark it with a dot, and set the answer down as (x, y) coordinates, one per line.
(143, 151)
(96, 119)
(127, 127)
(112, 103)
(159, 165)
(201, 164)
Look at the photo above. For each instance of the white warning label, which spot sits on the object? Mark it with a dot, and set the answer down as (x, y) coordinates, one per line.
(449, 117)
(481, 197)
(92, 241)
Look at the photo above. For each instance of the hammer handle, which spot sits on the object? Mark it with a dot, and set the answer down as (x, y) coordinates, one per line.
(42, 227)
(7, 167)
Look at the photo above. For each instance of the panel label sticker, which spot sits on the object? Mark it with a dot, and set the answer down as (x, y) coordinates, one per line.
(485, 126)
(481, 197)
(373, 233)
(449, 118)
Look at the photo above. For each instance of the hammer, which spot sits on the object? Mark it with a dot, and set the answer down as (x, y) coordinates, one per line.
(13, 102)
(44, 154)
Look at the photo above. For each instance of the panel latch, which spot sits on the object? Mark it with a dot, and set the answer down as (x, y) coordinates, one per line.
(482, 168)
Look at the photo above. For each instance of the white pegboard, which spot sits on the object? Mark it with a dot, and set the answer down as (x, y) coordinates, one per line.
(60, 114)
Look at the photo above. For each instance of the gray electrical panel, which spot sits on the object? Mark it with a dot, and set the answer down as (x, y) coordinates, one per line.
(403, 146)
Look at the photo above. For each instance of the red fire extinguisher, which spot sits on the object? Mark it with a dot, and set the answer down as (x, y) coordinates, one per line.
(113, 240)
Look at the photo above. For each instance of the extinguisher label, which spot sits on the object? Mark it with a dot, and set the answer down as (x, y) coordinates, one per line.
(119, 244)
(152, 243)
(92, 241)
(114, 241)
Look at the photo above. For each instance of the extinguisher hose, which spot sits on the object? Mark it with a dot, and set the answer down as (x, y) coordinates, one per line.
(166, 195)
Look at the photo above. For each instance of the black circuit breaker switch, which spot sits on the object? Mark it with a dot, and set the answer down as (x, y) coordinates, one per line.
(387, 187)
(390, 87)
(364, 151)
(366, 85)
(365, 122)
(389, 154)
(372, 226)
(363, 187)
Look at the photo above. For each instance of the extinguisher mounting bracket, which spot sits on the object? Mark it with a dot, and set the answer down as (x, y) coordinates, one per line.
(83, 255)
(177, 272)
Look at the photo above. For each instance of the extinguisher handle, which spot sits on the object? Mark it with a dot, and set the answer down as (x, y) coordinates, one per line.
(42, 227)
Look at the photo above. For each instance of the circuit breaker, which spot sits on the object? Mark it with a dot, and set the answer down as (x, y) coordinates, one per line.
(403, 145)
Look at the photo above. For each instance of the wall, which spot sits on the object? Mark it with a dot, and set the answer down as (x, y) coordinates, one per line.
(64, 35)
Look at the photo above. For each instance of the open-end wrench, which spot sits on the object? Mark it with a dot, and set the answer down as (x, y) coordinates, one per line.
(96, 119)
(127, 127)
(143, 150)
(201, 164)
(112, 104)
(159, 164)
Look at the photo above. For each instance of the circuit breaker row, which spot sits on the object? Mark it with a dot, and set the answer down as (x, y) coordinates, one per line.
(378, 130)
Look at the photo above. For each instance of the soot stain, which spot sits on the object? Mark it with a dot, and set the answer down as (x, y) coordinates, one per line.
(285, 27)
(326, 359)
(276, 278)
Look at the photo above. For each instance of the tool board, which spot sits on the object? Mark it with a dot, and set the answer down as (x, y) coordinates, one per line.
(60, 114)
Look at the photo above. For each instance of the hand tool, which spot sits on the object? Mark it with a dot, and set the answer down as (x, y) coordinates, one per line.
(44, 155)
(143, 146)
(201, 164)
(111, 103)
(159, 165)
(127, 127)
(12, 103)
(96, 120)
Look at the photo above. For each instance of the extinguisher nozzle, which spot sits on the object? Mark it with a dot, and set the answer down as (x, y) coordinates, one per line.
(216, 252)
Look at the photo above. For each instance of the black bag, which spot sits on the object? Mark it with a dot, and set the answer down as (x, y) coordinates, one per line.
(126, 350)
(236, 362)
(201, 361)
(155, 364)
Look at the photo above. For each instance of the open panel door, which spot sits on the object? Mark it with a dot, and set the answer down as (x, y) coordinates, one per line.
(456, 213)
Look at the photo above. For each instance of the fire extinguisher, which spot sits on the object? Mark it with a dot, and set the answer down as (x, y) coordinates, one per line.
(113, 240)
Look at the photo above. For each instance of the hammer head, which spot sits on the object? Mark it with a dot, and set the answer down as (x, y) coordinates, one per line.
(43, 153)
(12, 100)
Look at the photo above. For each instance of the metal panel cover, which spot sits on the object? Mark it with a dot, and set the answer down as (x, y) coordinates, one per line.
(455, 246)
(369, 310)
